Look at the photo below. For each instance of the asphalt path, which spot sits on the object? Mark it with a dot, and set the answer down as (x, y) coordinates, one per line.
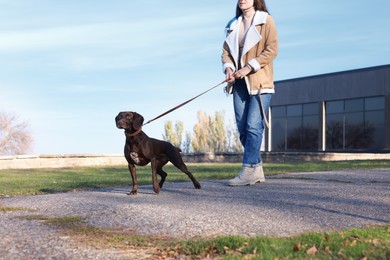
(286, 204)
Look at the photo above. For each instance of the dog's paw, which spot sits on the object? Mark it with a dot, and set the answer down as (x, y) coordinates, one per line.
(197, 185)
(156, 189)
(133, 192)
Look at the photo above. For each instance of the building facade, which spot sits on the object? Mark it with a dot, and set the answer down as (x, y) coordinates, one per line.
(346, 111)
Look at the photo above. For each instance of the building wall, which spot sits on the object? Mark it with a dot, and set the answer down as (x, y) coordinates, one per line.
(387, 120)
(318, 91)
(373, 81)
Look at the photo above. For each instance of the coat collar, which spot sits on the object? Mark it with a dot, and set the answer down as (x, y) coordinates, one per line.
(260, 18)
(252, 38)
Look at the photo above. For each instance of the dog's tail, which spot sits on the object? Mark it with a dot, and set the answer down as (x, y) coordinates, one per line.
(178, 149)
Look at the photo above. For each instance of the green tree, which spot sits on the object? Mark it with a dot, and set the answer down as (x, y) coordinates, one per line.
(212, 135)
(187, 143)
(234, 144)
(218, 135)
(173, 134)
(201, 133)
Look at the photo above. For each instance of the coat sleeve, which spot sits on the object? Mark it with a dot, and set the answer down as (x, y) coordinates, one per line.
(227, 60)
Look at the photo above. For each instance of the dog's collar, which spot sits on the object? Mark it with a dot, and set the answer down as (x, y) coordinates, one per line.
(133, 134)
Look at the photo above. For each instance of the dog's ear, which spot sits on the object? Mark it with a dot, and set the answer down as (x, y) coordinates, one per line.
(138, 120)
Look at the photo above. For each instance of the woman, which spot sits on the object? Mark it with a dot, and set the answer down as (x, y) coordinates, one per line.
(249, 49)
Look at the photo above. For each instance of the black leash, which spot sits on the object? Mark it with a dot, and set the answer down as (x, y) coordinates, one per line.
(184, 103)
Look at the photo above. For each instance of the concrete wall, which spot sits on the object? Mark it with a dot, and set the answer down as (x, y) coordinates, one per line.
(59, 161)
(63, 161)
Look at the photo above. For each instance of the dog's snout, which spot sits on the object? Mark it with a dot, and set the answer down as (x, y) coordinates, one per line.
(122, 120)
(118, 121)
(120, 124)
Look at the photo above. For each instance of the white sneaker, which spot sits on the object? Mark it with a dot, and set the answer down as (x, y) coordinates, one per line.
(245, 177)
(259, 173)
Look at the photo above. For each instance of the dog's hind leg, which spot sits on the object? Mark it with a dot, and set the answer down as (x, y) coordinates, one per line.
(163, 175)
(159, 164)
(182, 167)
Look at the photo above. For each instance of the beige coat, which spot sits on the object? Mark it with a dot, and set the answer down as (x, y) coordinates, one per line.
(259, 50)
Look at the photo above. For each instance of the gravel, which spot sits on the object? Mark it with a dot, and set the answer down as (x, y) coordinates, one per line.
(285, 205)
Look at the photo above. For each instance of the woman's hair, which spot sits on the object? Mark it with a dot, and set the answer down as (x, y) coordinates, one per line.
(259, 5)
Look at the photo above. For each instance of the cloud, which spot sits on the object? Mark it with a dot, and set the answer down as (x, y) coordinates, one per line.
(56, 37)
(110, 45)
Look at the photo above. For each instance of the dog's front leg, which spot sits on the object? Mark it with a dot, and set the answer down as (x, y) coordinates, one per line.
(132, 170)
(156, 186)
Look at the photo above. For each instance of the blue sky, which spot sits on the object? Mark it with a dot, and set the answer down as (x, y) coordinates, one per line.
(68, 67)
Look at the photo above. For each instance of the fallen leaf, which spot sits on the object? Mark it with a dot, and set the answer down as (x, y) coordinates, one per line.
(341, 252)
(312, 250)
(297, 247)
(346, 243)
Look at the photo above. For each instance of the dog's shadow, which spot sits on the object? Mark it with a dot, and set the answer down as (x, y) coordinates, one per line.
(125, 190)
(147, 189)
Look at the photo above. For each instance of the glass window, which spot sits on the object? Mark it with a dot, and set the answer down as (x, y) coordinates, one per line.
(334, 107)
(278, 134)
(350, 124)
(279, 111)
(294, 110)
(310, 109)
(334, 132)
(354, 105)
(375, 103)
(354, 131)
(310, 132)
(295, 127)
(294, 133)
(375, 128)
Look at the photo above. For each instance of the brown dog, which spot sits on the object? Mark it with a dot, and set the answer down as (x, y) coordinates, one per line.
(140, 150)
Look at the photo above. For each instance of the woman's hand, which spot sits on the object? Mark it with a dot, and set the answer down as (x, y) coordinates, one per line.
(242, 72)
(229, 75)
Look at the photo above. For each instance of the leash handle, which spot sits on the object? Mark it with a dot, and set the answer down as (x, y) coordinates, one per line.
(184, 103)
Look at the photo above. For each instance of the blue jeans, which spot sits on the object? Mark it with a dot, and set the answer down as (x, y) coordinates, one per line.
(250, 121)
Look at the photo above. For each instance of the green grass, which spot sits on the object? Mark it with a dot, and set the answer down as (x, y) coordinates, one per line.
(372, 242)
(10, 209)
(355, 243)
(44, 181)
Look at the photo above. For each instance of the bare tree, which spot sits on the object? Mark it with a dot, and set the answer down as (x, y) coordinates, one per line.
(15, 137)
